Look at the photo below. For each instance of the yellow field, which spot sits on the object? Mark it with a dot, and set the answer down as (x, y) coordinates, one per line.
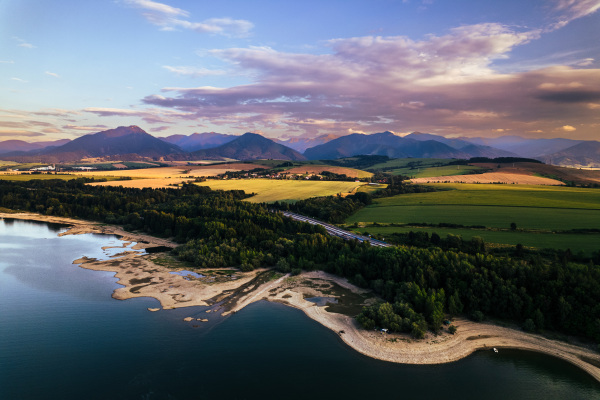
(491, 177)
(174, 172)
(158, 183)
(164, 176)
(317, 169)
(269, 190)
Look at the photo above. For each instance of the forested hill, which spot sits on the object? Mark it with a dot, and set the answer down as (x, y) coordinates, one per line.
(217, 229)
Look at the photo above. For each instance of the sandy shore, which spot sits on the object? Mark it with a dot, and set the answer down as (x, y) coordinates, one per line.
(228, 291)
(78, 227)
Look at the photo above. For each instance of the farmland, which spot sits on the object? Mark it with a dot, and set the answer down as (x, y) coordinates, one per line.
(424, 167)
(491, 177)
(269, 190)
(540, 213)
(64, 177)
(164, 177)
(584, 242)
(317, 169)
(176, 172)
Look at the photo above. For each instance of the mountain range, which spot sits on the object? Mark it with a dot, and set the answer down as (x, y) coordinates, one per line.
(199, 141)
(10, 146)
(132, 142)
(249, 146)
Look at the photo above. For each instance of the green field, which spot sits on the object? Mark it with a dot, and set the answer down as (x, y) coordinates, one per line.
(538, 212)
(586, 243)
(20, 166)
(269, 190)
(423, 167)
(530, 207)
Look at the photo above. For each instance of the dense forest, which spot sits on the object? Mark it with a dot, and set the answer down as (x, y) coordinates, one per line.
(419, 286)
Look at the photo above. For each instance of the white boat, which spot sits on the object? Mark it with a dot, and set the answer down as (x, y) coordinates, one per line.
(495, 350)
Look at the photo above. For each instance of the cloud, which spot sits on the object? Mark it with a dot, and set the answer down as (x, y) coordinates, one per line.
(170, 18)
(148, 115)
(159, 129)
(55, 112)
(84, 128)
(570, 10)
(586, 62)
(7, 62)
(23, 43)
(568, 128)
(444, 83)
(18, 132)
(193, 71)
(19, 80)
(52, 74)
(571, 96)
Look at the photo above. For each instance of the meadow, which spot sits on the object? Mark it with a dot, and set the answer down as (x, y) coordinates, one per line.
(577, 242)
(542, 214)
(424, 167)
(317, 169)
(269, 190)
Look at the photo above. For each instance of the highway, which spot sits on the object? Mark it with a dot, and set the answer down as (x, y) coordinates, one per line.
(335, 231)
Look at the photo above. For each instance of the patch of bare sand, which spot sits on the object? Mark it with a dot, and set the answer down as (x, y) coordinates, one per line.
(491, 177)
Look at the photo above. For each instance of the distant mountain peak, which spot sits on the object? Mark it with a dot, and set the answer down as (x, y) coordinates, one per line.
(121, 131)
(250, 146)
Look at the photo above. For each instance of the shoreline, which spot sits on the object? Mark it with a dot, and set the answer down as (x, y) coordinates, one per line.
(140, 276)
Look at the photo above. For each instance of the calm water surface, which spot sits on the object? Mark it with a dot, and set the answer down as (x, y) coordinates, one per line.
(62, 336)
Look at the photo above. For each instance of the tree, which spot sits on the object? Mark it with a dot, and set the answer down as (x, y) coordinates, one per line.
(452, 329)
(529, 325)
(455, 306)
(538, 319)
(513, 226)
(477, 316)
(419, 329)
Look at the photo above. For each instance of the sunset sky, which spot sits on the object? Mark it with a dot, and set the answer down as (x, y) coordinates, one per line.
(300, 68)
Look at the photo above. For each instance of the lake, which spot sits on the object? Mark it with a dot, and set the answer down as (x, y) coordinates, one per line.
(62, 336)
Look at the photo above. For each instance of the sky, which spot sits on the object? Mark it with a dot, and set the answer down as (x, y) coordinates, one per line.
(300, 68)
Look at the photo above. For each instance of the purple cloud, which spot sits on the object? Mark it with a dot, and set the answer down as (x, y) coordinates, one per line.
(151, 116)
(170, 18)
(441, 84)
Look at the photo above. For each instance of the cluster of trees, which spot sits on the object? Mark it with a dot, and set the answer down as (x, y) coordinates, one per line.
(421, 284)
(335, 209)
(423, 239)
(497, 160)
(332, 209)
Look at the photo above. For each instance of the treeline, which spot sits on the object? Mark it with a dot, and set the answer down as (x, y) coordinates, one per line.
(358, 161)
(420, 284)
(497, 160)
